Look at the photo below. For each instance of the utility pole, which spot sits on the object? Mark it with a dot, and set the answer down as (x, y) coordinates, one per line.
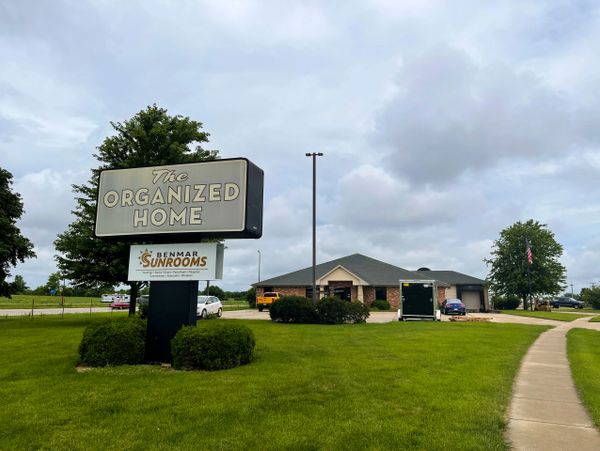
(259, 255)
(314, 156)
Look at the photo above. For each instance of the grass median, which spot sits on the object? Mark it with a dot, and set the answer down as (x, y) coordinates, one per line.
(26, 301)
(415, 385)
(556, 316)
(583, 347)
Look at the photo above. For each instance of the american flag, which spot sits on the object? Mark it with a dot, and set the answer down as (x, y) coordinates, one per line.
(529, 254)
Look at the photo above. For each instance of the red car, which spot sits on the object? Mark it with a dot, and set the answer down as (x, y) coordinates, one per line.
(119, 305)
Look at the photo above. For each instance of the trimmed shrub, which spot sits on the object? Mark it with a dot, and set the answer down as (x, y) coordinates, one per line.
(215, 345)
(506, 302)
(113, 342)
(332, 310)
(357, 313)
(293, 309)
(381, 304)
(143, 310)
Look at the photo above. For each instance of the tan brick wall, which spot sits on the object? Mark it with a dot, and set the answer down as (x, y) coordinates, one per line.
(291, 291)
(441, 295)
(368, 295)
(393, 297)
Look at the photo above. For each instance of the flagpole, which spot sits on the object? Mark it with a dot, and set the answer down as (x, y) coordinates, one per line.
(527, 250)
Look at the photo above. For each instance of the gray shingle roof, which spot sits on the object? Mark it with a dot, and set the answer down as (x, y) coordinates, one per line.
(452, 277)
(374, 272)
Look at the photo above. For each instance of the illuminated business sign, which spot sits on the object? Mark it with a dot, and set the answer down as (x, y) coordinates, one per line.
(176, 262)
(220, 198)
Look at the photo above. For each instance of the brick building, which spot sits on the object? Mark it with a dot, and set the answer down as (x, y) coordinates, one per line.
(364, 279)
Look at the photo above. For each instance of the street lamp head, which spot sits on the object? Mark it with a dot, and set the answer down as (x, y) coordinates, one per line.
(314, 154)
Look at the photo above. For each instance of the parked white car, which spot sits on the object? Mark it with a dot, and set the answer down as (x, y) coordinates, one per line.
(209, 305)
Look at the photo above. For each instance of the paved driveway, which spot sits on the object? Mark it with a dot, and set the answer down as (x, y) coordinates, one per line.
(375, 317)
(387, 317)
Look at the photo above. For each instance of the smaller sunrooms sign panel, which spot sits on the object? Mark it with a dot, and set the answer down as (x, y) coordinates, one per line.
(178, 262)
(205, 197)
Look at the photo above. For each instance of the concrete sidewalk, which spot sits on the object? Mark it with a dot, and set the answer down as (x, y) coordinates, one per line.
(545, 411)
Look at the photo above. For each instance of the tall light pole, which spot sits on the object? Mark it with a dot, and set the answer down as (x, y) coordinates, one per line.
(258, 265)
(314, 156)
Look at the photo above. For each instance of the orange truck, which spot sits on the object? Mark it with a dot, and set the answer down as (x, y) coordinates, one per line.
(266, 300)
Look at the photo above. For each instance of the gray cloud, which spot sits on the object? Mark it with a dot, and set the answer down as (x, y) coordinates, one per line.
(452, 115)
(430, 149)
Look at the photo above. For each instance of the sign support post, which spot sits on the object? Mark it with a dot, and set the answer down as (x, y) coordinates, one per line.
(172, 305)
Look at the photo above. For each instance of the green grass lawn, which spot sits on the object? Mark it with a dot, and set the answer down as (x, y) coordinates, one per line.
(578, 310)
(413, 385)
(595, 319)
(544, 315)
(234, 304)
(583, 347)
(25, 301)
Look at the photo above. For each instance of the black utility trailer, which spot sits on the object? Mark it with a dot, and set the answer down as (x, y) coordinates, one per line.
(418, 300)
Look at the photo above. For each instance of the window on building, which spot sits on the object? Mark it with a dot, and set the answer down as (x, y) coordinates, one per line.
(309, 292)
(267, 289)
(381, 293)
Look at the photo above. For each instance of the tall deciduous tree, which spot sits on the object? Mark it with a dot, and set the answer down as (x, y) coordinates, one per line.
(510, 271)
(591, 296)
(14, 247)
(149, 138)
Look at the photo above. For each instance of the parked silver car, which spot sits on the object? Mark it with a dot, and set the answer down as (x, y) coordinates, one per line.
(208, 305)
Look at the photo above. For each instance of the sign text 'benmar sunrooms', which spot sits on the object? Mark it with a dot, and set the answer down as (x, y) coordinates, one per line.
(179, 262)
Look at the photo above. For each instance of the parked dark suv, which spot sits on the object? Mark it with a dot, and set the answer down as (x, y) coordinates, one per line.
(566, 302)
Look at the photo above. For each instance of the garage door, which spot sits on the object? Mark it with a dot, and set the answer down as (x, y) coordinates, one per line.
(471, 299)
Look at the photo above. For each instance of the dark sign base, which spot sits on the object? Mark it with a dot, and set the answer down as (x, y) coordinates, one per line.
(171, 306)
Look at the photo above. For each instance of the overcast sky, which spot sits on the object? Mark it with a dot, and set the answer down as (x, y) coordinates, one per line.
(441, 122)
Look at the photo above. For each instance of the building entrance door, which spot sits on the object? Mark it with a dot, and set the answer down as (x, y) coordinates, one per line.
(342, 292)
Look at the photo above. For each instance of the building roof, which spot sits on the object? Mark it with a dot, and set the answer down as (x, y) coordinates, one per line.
(452, 277)
(374, 272)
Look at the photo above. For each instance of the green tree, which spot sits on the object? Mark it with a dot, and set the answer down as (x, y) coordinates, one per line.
(14, 247)
(214, 290)
(18, 286)
(510, 272)
(591, 296)
(149, 138)
(54, 282)
(251, 297)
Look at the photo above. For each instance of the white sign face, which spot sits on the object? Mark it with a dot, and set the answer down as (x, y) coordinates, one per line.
(176, 262)
(184, 198)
